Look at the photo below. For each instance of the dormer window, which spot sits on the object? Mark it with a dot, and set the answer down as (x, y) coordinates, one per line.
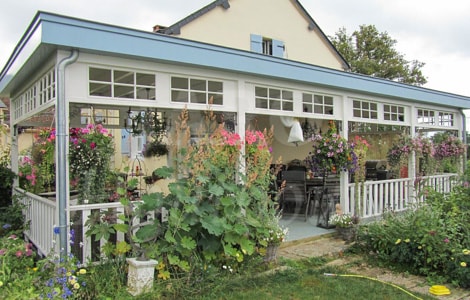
(267, 46)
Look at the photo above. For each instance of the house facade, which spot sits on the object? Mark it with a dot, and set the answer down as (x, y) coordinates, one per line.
(276, 69)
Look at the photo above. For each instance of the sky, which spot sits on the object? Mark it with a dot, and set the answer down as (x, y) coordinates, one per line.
(430, 31)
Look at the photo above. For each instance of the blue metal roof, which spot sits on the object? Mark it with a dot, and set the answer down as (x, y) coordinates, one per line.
(49, 32)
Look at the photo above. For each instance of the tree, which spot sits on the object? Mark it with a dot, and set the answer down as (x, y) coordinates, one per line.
(373, 53)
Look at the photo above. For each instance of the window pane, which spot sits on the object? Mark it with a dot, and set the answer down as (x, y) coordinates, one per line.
(124, 77)
(356, 104)
(215, 86)
(318, 109)
(121, 91)
(328, 100)
(198, 85)
(179, 83)
(387, 116)
(198, 97)
(100, 74)
(275, 104)
(261, 103)
(98, 89)
(217, 99)
(373, 106)
(145, 79)
(179, 96)
(387, 108)
(288, 106)
(357, 113)
(145, 93)
(288, 95)
(318, 99)
(274, 93)
(308, 108)
(307, 98)
(261, 92)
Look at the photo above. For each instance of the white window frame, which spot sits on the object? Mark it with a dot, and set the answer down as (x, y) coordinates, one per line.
(189, 93)
(366, 109)
(282, 103)
(316, 103)
(137, 90)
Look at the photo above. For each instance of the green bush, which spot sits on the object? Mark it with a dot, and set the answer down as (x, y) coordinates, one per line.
(431, 240)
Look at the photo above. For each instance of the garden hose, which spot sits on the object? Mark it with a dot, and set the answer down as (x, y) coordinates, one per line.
(374, 279)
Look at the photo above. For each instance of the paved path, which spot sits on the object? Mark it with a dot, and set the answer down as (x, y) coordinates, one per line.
(329, 245)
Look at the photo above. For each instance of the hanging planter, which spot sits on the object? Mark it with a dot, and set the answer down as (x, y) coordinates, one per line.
(155, 148)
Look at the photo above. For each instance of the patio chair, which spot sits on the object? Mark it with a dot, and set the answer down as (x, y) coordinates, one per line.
(295, 191)
(329, 198)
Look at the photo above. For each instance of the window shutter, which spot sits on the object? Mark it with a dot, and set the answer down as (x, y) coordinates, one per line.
(256, 43)
(278, 48)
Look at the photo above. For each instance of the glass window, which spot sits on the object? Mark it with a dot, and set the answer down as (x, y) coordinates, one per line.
(274, 98)
(121, 84)
(322, 104)
(194, 90)
(365, 109)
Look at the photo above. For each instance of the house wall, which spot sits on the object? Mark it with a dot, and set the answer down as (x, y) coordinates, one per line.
(275, 19)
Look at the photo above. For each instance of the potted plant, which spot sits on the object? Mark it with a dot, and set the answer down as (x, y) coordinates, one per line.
(345, 225)
(155, 148)
(274, 235)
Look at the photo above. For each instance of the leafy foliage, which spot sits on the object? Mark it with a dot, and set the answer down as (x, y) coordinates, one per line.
(432, 240)
(373, 53)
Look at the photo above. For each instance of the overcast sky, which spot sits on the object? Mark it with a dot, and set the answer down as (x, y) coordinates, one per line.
(435, 32)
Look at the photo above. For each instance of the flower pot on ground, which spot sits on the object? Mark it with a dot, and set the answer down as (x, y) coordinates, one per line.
(345, 225)
(140, 276)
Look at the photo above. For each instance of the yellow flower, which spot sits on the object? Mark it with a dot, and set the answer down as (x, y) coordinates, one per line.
(1, 283)
(463, 264)
(76, 286)
(398, 242)
(407, 240)
(35, 269)
(419, 247)
(68, 274)
(82, 271)
(466, 252)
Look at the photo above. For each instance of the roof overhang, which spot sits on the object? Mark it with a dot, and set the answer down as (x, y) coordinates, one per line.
(50, 32)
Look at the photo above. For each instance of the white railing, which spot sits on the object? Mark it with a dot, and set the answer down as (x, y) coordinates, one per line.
(375, 197)
(84, 247)
(40, 214)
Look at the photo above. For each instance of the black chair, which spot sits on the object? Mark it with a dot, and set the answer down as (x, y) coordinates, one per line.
(295, 191)
(329, 198)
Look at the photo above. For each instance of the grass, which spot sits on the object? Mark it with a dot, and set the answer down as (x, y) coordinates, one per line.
(304, 279)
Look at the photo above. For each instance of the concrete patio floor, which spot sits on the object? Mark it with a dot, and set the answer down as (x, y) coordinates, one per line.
(300, 229)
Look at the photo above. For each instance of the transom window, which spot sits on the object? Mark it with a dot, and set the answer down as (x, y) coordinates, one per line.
(193, 90)
(365, 109)
(317, 104)
(439, 118)
(121, 84)
(446, 119)
(274, 98)
(426, 116)
(394, 113)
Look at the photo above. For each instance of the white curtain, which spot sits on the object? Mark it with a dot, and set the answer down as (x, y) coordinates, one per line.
(295, 135)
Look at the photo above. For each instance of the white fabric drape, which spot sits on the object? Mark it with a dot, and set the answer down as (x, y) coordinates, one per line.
(295, 135)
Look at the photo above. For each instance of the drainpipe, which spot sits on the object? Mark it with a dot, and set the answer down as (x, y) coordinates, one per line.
(464, 139)
(61, 152)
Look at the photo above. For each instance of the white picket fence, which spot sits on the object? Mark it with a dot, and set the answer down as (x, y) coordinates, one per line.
(395, 194)
(375, 196)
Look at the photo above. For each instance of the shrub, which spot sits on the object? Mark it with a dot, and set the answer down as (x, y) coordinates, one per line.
(431, 240)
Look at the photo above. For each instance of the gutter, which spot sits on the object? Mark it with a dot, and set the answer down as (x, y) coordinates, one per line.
(61, 152)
